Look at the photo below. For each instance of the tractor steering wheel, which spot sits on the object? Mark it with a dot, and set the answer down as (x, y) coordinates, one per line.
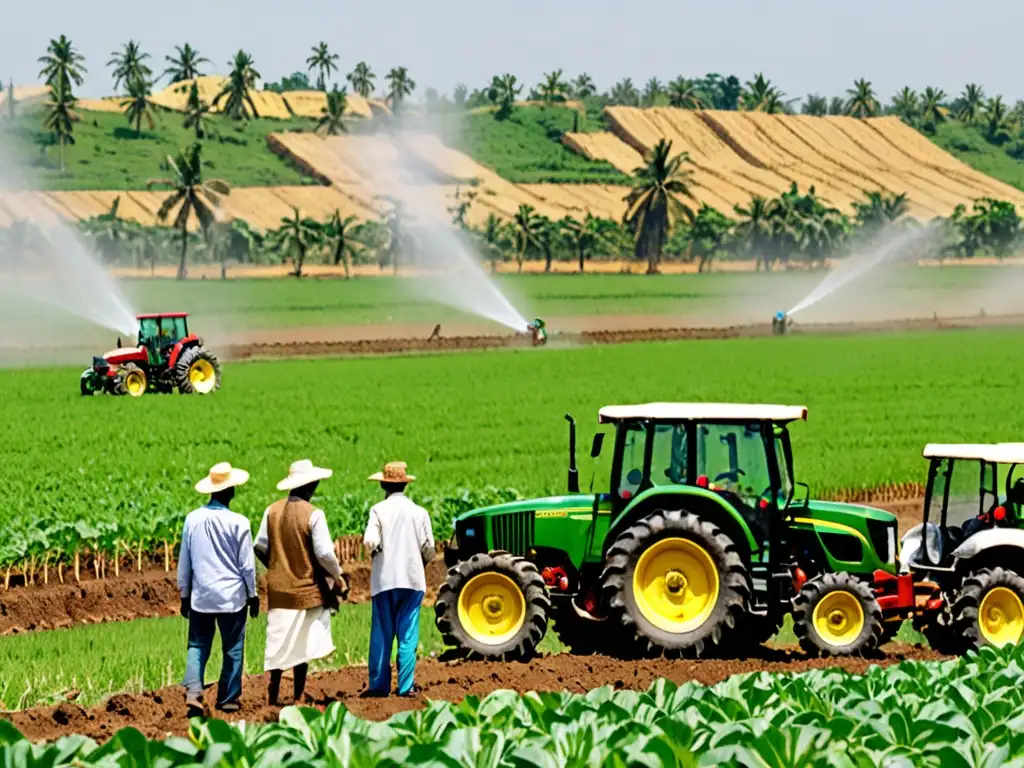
(732, 475)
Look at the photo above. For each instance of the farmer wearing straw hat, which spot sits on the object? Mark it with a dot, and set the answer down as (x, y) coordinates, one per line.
(401, 541)
(217, 580)
(303, 578)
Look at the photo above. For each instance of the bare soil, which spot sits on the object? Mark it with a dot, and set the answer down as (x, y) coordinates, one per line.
(162, 712)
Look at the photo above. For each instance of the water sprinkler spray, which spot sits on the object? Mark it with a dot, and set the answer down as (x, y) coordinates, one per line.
(781, 323)
(537, 333)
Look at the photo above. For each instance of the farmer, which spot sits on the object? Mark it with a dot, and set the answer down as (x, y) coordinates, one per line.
(401, 542)
(217, 580)
(303, 578)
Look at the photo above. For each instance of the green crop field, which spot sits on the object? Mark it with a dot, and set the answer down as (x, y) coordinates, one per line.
(105, 471)
(108, 155)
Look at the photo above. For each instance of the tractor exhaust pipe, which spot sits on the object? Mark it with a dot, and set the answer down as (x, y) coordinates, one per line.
(574, 473)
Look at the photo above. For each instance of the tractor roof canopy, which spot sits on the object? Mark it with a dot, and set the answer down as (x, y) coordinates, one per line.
(709, 412)
(158, 315)
(997, 453)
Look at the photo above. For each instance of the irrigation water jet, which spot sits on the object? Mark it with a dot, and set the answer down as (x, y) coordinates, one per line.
(886, 247)
(397, 173)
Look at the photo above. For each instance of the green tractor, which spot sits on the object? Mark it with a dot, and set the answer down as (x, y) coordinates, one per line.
(166, 358)
(961, 577)
(692, 541)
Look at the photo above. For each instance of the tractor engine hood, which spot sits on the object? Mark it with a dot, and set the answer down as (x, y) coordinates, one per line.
(126, 355)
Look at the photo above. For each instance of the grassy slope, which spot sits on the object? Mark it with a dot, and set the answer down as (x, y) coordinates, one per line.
(107, 154)
(967, 144)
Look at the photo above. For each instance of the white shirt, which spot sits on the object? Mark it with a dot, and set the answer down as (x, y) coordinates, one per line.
(323, 545)
(216, 566)
(401, 540)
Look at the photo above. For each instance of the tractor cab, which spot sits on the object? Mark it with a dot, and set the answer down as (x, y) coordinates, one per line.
(972, 489)
(159, 333)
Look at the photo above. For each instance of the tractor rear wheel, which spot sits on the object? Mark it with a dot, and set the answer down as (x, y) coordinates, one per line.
(197, 372)
(990, 608)
(676, 582)
(493, 606)
(837, 615)
(131, 380)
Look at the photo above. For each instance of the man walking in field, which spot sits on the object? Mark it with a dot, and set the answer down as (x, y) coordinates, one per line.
(217, 580)
(401, 541)
(304, 579)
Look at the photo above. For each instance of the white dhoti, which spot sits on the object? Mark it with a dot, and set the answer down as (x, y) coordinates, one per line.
(297, 637)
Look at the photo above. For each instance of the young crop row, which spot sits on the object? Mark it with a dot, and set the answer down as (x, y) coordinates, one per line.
(109, 477)
(951, 714)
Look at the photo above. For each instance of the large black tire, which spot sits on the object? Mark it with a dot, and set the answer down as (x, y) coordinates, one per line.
(941, 633)
(522, 644)
(970, 614)
(839, 590)
(196, 356)
(722, 617)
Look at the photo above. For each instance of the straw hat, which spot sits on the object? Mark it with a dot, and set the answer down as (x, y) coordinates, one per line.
(222, 476)
(393, 472)
(303, 472)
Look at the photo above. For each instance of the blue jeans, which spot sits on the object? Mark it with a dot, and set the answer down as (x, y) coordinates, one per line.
(396, 613)
(201, 628)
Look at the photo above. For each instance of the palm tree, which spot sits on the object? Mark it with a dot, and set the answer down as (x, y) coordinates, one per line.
(324, 62)
(62, 64)
(60, 115)
(684, 92)
(625, 93)
(837, 106)
(814, 105)
(137, 106)
(756, 230)
(879, 209)
(583, 86)
(932, 110)
(296, 235)
(655, 203)
(581, 236)
(400, 85)
(191, 195)
(970, 103)
(331, 122)
(361, 79)
(345, 244)
(708, 234)
(197, 114)
(653, 91)
(758, 92)
(459, 94)
(545, 234)
(128, 64)
(493, 236)
(553, 88)
(242, 79)
(997, 128)
(503, 92)
(905, 105)
(862, 102)
(527, 223)
(185, 66)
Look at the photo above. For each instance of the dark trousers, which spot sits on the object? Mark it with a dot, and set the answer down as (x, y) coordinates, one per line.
(396, 614)
(201, 628)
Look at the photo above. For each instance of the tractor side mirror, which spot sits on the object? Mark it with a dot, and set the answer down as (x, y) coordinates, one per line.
(595, 449)
(118, 342)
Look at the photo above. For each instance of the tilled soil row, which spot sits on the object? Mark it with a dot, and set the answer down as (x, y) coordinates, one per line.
(300, 347)
(162, 712)
(134, 596)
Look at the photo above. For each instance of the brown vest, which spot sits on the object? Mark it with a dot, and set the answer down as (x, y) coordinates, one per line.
(295, 580)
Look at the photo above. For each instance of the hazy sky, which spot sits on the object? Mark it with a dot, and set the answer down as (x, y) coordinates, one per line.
(802, 45)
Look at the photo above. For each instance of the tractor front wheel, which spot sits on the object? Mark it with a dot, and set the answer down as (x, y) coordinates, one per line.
(837, 615)
(990, 608)
(493, 606)
(131, 380)
(676, 582)
(197, 372)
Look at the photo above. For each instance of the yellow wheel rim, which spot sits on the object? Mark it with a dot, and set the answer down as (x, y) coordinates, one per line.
(202, 376)
(1001, 617)
(135, 383)
(492, 608)
(675, 584)
(839, 618)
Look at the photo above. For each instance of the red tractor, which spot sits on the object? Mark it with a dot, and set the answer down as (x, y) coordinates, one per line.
(167, 358)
